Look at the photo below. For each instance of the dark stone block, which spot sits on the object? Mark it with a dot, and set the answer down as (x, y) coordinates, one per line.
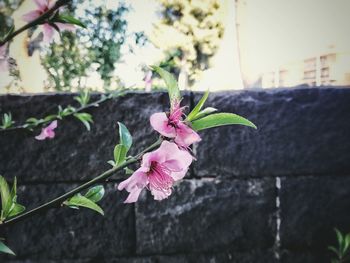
(305, 256)
(208, 215)
(75, 154)
(66, 233)
(300, 131)
(311, 207)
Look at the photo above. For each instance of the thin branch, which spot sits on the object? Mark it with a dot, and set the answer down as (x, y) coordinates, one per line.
(59, 200)
(82, 108)
(40, 20)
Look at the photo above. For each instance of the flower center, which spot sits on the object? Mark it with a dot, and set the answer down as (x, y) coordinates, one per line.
(159, 178)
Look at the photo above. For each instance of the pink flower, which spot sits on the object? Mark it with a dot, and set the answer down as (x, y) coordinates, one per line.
(48, 30)
(3, 58)
(148, 81)
(172, 126)
(158, 172)
(47, 132)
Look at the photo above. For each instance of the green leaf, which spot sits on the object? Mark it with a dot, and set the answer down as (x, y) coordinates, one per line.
(171, 83)
(204, 113)
(125, 136)
(12, 28)
(85, 118)
(111, 162)
(6, 249)
(5, 195)
(333, 249)
(128, 171)
(339, 237)
(70, 20)
(81, 201)
(220, 119)
(119, 153)
(15, 210)
(95, 193)
(198, 107)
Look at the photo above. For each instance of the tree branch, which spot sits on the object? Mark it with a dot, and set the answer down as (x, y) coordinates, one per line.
(59, 200)
(41, 19)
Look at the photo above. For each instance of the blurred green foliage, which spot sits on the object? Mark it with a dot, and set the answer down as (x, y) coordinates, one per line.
(189, 32)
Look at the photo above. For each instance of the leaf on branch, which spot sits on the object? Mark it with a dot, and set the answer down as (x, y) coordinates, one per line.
(83, 98)
(119, 154)
(9, 205)
(124, 136)
(81, 201)
(6, 121)
(205, 112)
(198, 107)
(69, 20)
(171, 84)
(95, 193)
(220, 119)
(85, 118)
(5, 249)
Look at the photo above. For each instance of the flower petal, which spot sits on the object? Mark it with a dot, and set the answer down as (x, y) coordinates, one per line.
(137, 180)
(3, 65)
(52, 125)
(133, 196)
(48, 32)
(63, 26)
(42, 135)
(42, 4)
(175, 159)
(30, 16)
(185, 136)
(159, 122)
(160, 195)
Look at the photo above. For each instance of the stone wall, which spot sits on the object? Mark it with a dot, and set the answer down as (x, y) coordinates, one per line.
(271, 195)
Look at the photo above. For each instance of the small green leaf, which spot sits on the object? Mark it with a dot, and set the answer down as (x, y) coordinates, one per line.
(204, 113)
(198, 107)
(125, 136)
(95, 193)
(119, 154)
(50, 117)
(81, 201)
(339, 237)
(6, 249)
(15, 210)
(5, 195)
(220, 119)
(85, 118)
(83, 98)
(128, 171)
(333, 249)
(70, 20)
(12, 28)
(6, 121)
(111, 162)
(171, 83)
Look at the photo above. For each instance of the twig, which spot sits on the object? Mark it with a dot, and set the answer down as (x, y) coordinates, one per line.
(59, 200)
(41, 19)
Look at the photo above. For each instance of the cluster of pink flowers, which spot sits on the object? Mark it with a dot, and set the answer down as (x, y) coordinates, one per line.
(48, 29)
(161, 168)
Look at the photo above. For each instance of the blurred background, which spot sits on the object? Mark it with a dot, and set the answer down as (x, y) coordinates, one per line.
(211, 44)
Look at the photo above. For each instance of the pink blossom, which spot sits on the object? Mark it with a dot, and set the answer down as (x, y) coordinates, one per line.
(148, 81)
(158, 172)
(172, 126)
(47, 132)
(3, 58)
(48, 30)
